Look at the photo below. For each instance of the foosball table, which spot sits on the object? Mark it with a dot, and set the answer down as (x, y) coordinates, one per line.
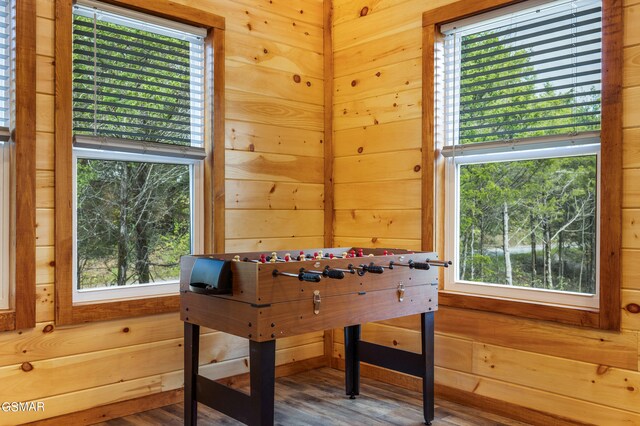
(265, 297)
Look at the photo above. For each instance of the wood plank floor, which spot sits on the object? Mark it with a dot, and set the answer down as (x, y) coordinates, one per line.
(316, 398)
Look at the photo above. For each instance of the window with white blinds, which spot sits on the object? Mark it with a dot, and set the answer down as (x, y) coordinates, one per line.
(7, 51)
(533, 73)
(138, 126)
(136, 77)
(522, 111)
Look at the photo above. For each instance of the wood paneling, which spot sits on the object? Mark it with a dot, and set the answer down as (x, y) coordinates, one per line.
(386, 21)
(378, 81)
(261, 24)
(403, 224)
(45, 8)
(385, 51)
(631, 31)
(256, 137)
(387, 108)
(44, 80)
(274, 223)
(281, 112)
(598, 347)
(397, 166)
(631, 228)
(631, 269)
(631, 70)
(631, 116)
(44, 227)
(328, 122)
(250, 194)
(591, 382)
(44, 113)
(309, 11)
(245, 77)
(375, 242)
(391, 137)
(280, 167)
(631, 309)
(267, 245)
(45, 298)
(44, 35)
(44, 148)
(45, 265)
(389, 195)
(44, 189)
(277, 56)
(631, 148)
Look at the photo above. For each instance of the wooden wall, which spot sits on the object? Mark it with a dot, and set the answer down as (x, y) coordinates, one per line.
(274, 157)
(582, 374)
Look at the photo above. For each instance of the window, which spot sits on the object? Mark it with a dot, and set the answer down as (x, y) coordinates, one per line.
(138, 151)
(497, 102)
(5, 155)
(522, 135)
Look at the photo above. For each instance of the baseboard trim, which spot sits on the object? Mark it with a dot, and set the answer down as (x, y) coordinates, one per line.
(137, 405)
(469, 399)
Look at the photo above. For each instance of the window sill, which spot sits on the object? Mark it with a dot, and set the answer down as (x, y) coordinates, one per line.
(101, 311)
(530, 310)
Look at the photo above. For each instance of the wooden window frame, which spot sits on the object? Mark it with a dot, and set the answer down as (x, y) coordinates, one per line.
(23, 134)
(66, 311)
(608, 315)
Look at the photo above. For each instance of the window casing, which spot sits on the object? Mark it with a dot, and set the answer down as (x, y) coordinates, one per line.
(526, 92)
(138, 124)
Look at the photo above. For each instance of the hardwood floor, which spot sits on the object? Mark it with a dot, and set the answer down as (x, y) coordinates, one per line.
(316, 398)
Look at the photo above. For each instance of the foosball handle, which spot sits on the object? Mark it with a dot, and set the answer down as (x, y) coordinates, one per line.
(313, 278)
(421, 265)
(336, 275)
(374, 269)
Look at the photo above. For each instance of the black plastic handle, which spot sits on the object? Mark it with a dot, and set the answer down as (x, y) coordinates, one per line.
(305, 276)
(331, 273)
(375, 269)
(421, 265)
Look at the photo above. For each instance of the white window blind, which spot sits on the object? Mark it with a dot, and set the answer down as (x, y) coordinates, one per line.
(534, 73)
(5, 61)
(135, 79)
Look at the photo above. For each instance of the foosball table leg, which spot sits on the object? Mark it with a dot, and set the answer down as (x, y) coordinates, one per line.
(427, 328)
(262, 359)
(352, 360)
(191, 351)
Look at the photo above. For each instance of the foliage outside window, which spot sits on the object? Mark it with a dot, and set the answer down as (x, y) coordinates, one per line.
(522, 109)
(138, 115)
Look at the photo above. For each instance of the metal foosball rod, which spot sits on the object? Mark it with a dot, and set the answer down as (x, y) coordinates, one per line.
(327, 272)
(411, 264)
(441, 263)
(302, 276)
(350, 269)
